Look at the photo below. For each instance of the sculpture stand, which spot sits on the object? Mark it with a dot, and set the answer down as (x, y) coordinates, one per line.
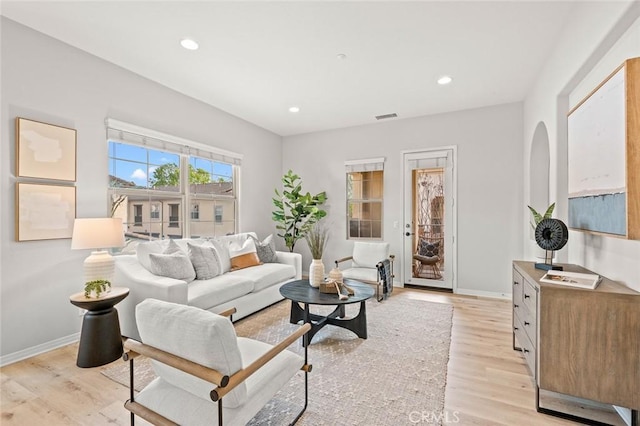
(548, 262)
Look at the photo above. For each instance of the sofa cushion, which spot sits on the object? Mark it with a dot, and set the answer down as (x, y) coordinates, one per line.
(266, 249)
(205, 261)
(266, 275)
(367, 255)
(361, 274)
(243, 256)
(176, 265)
(197, 335)
(206, 294)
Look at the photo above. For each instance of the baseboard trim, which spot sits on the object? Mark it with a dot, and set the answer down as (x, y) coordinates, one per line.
(39, 349)
(491, 294)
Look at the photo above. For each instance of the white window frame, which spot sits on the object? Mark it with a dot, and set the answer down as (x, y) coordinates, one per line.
(126, 133)
(364, 165)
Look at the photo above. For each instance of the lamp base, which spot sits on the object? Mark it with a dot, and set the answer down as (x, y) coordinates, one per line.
(99, 266)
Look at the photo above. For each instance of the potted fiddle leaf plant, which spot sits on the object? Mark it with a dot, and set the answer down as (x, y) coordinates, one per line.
(296, 211)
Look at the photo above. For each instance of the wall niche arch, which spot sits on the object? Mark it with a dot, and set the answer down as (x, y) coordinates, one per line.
(539, 167)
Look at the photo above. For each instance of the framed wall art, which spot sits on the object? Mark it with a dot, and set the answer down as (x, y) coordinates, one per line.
(44, 212)
(45, 151)
(604, 156)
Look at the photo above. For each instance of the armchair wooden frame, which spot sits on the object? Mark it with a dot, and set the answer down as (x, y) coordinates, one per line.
(224, 383)
(377, 283)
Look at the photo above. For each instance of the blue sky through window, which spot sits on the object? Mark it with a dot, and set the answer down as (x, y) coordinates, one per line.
(136, 164)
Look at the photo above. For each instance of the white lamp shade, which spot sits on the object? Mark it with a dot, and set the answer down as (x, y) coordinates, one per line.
(97, 233)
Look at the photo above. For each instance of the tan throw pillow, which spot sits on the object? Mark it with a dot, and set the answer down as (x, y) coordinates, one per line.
(243, 257)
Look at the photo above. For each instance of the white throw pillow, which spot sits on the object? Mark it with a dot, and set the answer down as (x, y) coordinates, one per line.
(205, 261)
(223, 254)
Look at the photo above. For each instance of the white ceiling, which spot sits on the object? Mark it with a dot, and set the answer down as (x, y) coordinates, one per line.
(256, 59)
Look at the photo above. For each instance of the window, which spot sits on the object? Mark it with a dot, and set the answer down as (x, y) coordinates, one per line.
(174, 215)
(364, 199)
(155, 211)
(195, 211)
(164, 186)
(137, 215)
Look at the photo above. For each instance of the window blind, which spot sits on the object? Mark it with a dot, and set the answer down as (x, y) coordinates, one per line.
(136, 135)
(368, 165)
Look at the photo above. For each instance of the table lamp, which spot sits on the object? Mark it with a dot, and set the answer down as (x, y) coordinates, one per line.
(98, 234)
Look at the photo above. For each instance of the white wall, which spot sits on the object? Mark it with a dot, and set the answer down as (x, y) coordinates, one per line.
(596, 40)
(46, 80)
(489, 142)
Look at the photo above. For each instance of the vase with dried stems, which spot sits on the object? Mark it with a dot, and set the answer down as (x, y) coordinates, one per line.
(317, 238)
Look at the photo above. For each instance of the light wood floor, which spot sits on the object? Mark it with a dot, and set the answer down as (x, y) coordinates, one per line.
(487, 382)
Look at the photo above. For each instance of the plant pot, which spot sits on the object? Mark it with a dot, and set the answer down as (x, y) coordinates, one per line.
(316, 273)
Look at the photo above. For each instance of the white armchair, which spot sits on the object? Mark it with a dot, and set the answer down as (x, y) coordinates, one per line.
(365, 261)
(200, 362)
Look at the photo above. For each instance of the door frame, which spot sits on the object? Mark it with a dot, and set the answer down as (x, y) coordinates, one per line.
(406, 205)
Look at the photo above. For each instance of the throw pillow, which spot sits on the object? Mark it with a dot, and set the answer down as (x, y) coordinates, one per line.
(205, 261)
(173, 247)
(176, 265)
(223, 254)
(425, 248)
(243, 256)
(266, 249)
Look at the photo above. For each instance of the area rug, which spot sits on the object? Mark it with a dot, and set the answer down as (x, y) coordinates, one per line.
(395, 376)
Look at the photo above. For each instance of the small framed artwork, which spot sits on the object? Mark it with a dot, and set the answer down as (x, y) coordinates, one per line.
(45, 151)
(44, 212)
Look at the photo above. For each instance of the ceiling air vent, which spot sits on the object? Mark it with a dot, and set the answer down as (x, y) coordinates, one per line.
(385, 116)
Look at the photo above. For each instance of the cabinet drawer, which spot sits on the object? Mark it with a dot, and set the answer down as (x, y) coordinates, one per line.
(528, 348)
(517, 284)
(528, 321)
(530, 296)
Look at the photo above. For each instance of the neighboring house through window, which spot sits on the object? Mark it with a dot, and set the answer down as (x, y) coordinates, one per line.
(154, 177)
(365, 198)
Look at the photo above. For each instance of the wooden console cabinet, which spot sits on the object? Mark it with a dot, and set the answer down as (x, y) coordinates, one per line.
(583, 343)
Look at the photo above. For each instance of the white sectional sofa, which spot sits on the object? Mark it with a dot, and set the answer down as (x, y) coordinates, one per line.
(248, 290)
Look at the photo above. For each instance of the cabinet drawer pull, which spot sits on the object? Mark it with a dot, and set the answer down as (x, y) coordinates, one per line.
(526, 296)
(516, 283)
(516, 306)
(526, 351)
(516, 328)
(526, 323)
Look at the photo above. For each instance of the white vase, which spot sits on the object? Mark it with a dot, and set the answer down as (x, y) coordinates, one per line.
(316, 272)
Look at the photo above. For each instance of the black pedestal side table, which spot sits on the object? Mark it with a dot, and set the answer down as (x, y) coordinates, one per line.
(100, 339)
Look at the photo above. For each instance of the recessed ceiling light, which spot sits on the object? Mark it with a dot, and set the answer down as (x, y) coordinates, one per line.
(189, 44)
(445, 79)
(294, 109)
(341, 56)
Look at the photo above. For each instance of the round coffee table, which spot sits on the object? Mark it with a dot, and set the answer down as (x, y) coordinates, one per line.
(300, 291)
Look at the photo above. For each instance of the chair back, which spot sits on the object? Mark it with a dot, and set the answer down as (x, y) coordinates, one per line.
(367, 255)
(197, 335)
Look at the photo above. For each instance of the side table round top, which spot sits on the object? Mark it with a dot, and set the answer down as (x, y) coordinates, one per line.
(107, 300)
(301, 291)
